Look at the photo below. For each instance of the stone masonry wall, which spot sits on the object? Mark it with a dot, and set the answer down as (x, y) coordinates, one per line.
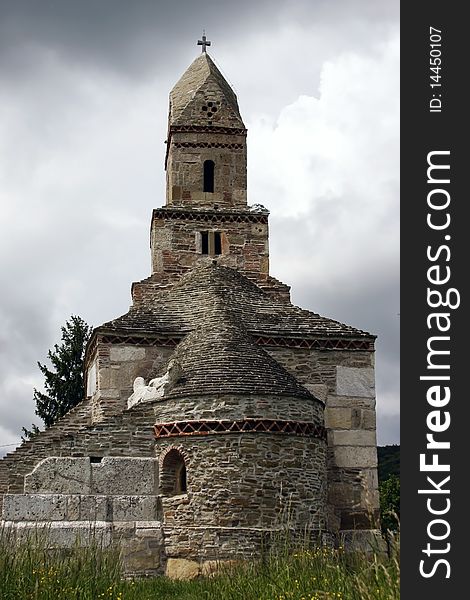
(176, 242)
(129, 435)
(117, 366)
(238, 407)
(345, 381)
(240, 485)
(186, 156)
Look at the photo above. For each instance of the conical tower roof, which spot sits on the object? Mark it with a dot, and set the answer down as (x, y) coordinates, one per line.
(202, 83)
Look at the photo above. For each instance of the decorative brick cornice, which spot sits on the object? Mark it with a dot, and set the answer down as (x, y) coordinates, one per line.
(209, 216)
(135, 340)
(235, 131)
(205, 129)
(208, 145)
(172, 340)
(343, 343)
(215, 427)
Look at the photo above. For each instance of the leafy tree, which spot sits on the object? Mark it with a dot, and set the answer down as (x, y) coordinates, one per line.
(64, 383)
(390, 503)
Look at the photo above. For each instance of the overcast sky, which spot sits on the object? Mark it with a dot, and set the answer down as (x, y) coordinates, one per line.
(83, 113)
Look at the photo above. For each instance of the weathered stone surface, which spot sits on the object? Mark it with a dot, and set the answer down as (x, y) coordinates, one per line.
(181, 568)
(35, 507)
(353, 437)
(60, 475)
(368, 542)
(134, 508)
(126, 353)
(143, 550)
(352, 456)
(254, 479)
(93, 508)
(125, 476)
(338, 418)
(113, 475)
(62, 534)
(352, 381)
(334, 401)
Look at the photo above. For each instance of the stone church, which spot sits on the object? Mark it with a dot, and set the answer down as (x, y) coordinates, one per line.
(216, 412)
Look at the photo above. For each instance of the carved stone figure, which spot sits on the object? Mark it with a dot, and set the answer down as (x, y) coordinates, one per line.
(156, 387)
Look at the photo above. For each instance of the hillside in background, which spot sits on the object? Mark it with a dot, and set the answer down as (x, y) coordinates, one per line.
(389, 461)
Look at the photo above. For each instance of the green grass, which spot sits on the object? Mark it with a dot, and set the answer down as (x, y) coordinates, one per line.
(30, 572)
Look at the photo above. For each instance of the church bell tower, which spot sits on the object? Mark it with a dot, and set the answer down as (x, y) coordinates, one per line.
(206, 216)
(206, 145)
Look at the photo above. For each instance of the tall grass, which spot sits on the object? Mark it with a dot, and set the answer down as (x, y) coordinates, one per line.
(28, 571)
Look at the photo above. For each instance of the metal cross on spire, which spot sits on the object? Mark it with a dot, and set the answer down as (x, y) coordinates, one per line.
(204, 43)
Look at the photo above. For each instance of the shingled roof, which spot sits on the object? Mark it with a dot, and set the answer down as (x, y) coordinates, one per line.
(200, 73)
(175, 310)
(219, 356)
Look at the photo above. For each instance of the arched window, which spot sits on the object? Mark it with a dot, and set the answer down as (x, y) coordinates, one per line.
(173, 474)
(209, 166)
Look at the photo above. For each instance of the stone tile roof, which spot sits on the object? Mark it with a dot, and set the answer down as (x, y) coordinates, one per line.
(177, 310)
(199, 73)
(218, 356)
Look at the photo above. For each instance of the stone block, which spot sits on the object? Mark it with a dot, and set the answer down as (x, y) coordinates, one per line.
(34, 507)
(59, 475)
(125, 476)
(134, 508)
(94, 508)
(342, 494)
(369, 419)
(348, 402)
(337, 418)
(62, 534)
(141, 556)
(367, 541)
(126, 353)
(108, 394)
(181, 568)
(355, 381)
(369, 492)
(73, 508)
(353, 456)
(162, 238)
(353, 437)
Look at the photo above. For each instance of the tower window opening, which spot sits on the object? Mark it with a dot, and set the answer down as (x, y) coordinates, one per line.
(211, 243)
(205, 242)
(209, 166)
(173, 474)
(217, 243)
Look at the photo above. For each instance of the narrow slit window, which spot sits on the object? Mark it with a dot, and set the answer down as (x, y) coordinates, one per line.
(209, 167)
(205, 242)
(217, 243)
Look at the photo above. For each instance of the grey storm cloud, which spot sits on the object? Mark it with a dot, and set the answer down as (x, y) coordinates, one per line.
(137, 37)
(83, 107)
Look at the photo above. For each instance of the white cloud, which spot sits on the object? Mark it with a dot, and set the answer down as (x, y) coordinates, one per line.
(328, 168)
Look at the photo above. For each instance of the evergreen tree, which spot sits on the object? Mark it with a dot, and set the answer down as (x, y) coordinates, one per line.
(390, 503)
(64, 383)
